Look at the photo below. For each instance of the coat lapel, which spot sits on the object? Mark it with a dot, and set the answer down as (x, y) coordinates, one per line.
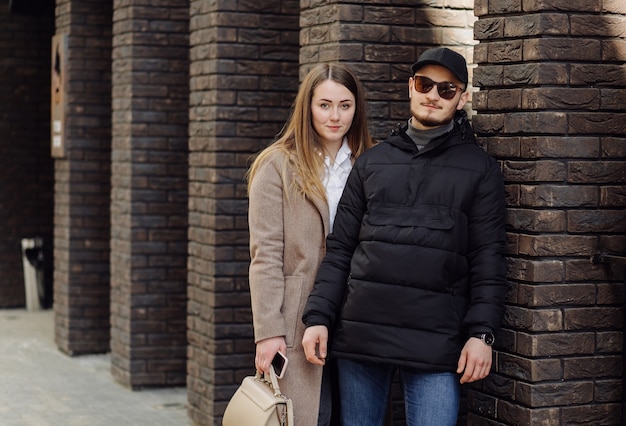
(322, 208)
(320, 205)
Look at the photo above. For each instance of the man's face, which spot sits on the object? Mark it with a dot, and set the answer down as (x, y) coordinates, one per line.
(430, 109)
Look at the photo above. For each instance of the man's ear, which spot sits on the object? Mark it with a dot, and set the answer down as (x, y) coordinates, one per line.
(462, 101)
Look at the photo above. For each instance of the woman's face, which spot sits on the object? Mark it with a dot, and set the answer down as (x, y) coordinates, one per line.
(332, 109)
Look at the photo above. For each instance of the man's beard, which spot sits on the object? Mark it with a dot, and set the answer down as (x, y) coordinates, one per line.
(430, 121)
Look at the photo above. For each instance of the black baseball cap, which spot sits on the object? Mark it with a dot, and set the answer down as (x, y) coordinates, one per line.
(446, 58)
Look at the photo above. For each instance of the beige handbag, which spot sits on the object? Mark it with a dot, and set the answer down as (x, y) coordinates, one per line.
(258, 402)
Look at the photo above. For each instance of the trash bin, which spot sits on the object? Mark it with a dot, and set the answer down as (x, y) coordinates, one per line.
(38, 296)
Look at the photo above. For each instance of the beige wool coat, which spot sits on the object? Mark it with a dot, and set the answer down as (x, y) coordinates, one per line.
(287, 244)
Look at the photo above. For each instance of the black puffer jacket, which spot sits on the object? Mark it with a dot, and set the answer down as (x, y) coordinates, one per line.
(419, 241)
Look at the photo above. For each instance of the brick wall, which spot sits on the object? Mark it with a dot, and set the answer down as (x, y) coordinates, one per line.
(82, 181)
(26, 169)
(381, 41)
(244, 75)
(551, 108)
(149, 192)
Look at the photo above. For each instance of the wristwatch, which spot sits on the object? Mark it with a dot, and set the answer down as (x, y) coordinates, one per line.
(487, 338)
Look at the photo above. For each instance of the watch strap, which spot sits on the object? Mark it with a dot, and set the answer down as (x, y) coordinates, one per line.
(487, 338)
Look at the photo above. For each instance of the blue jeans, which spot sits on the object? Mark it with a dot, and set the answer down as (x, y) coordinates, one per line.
(430, 398)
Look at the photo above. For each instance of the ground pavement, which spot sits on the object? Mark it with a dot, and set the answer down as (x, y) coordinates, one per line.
(41, 386)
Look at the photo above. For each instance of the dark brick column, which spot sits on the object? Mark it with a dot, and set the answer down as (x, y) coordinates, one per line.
(82, 176)
(244, 75)
(26, 169)
(149, 192)
(552, 108)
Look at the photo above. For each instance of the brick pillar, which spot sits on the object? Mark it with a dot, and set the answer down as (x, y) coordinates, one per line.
(149, 192)
(82, 190)
(26, 169)
(552, 108)
(244, 75)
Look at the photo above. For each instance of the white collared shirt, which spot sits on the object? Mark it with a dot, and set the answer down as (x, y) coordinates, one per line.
(335, 177)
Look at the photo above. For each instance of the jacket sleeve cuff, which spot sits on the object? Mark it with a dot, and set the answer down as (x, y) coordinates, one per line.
(312, 320)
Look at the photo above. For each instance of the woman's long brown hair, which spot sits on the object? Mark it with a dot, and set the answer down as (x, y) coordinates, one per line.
(298, 139)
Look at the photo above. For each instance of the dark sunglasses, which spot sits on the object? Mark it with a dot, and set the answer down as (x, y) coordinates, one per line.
(446, 89)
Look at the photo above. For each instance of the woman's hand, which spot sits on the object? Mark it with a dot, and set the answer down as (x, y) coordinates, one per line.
(265, 351)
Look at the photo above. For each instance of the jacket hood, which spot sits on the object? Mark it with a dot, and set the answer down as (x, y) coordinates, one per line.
(462, 126)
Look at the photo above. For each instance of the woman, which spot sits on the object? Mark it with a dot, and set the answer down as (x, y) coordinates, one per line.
(294, 188)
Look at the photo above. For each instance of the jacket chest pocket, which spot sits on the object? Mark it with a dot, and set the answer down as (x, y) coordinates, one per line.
(431, 217)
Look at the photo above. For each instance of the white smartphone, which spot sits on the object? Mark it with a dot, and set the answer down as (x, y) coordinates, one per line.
(280, 364)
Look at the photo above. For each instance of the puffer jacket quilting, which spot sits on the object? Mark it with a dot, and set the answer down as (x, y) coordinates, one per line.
(423, 235)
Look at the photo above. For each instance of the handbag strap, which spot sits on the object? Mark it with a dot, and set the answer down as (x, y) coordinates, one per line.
(273, 380)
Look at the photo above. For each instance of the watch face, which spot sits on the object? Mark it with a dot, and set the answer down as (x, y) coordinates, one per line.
(489, 339)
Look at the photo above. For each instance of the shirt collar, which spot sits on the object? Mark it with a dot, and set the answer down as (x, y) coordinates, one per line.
(343, 158)
(344, 152)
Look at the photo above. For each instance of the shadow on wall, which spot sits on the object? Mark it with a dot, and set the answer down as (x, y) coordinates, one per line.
(32, 7)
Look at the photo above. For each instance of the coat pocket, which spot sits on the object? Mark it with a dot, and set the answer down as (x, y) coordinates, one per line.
(291, 303)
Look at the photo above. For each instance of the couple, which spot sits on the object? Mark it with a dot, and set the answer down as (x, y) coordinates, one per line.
(411, 278)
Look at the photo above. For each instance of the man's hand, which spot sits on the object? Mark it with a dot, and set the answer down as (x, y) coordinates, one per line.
(475, 361)
(315, 344)
(265, 351)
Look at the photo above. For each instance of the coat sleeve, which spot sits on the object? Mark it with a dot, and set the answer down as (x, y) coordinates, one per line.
(326, 298)
(486, 255)
(267, 280)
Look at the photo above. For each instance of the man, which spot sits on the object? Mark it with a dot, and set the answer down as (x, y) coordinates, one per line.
(414, 276)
